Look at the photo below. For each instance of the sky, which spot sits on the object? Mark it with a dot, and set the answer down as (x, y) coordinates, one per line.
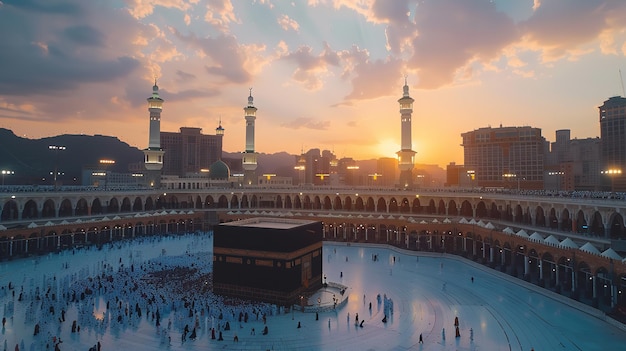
(324, 74)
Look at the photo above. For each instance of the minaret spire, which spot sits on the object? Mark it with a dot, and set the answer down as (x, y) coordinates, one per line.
(249, 160)
(219, 130)
(406, 154)
(153, 155)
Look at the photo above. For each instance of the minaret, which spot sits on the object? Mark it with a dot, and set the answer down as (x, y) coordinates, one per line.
(249, 161)
(406, 154)
(219, 130)
(153, 155)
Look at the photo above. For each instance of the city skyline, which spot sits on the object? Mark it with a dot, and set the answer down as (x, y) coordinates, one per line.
(324, 74)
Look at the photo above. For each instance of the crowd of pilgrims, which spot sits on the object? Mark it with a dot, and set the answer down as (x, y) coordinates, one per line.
(172, 293)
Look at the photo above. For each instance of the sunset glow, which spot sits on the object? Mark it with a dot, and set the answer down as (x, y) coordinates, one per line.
(324, 74)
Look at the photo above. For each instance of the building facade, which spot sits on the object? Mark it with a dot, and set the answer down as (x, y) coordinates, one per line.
(189, 152)
(613, 143)
(573, 164)
(505, 157)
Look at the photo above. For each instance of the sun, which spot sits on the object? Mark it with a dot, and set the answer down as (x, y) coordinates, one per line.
(387, 148)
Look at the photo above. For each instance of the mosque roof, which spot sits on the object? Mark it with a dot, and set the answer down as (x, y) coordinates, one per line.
(219, 170)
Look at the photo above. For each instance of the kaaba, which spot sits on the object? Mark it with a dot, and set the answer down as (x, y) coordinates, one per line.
(275, 260)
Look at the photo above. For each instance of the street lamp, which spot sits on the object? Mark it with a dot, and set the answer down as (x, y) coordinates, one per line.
(56, 149)
(6, 173)
(612, 172)
(374, 178)
(106, 163)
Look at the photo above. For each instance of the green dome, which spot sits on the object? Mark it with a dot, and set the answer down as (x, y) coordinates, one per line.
(219, 170)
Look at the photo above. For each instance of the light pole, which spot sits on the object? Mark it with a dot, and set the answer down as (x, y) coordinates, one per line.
(6, 172)
(56, 149)
(106, 163)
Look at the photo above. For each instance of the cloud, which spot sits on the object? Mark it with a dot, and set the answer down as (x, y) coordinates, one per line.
(220, 14)
(559, 28)
(85, 35)
(374, 79)
(306, 123)
(310, 68)
(454, 33)
(287, 23)
(184, 76)
(46, 6)
(226, 57)
(143, 8)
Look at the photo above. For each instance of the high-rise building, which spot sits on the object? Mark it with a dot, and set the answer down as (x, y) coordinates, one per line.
(572, 164)
(386, 168)
(190, 152)
(509, 157)
(613, 142)
(153, 155)
(348, 171)
(249, 159)
(406, 154)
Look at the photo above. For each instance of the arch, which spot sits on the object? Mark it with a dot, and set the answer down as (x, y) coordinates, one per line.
(149, 204)
(581, 222)
(137, 205)
(359, 205)
(297, 203)
(348, 203)
(234, 202)
(82, 208)
(481, 210)
(441, 208)
(452, 208)
(494, 212)
(405, 207)
(328, 205)
(552, 220)
(114, 206)
(337, 203)
(381, 205)
(279, 202)
(96, 207)
(209, 202)
(198, 202)
(369, 206)
(466, 209)
(431, 208)
(616, 226)
(596, 227)
(317, 203)
(222, 202)
(540, 218)
(244, 201)
(306, 204)
(125, 207)
(65, 209)
(518, 214)
(288, 203)
(393, 205)
(48, 210)
(416, 206)
(254, 201)
(30, 210)
(566, 223)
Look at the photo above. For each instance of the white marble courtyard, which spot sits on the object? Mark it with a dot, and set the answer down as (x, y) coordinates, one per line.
(495, 312)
